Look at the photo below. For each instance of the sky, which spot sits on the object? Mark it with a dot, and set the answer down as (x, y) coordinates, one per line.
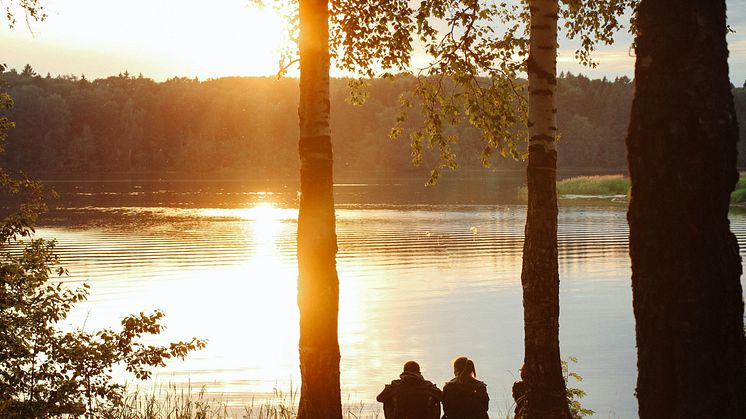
(189, 38)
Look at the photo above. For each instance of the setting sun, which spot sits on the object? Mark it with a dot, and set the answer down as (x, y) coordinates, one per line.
(159, 39)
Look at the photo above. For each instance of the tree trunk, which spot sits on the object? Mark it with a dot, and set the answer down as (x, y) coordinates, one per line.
(546, 396)
(686, 266)
(318, 285)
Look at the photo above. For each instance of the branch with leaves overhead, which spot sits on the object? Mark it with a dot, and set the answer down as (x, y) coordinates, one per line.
(474, 54)
(33, 11)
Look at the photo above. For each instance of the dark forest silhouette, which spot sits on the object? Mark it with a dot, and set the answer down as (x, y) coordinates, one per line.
(243, 126)
(246, 126)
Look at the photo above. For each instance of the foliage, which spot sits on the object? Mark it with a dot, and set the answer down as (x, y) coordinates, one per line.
(27, 195)
(32, 10)
(476, 51)
(594, 185)
(574, 394)
(45, 371)
(239, 126)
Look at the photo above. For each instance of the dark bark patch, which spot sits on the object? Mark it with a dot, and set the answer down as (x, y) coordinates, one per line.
(536, 70)
(541, 92)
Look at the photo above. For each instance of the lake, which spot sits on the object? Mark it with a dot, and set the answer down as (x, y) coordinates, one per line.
(425, 273)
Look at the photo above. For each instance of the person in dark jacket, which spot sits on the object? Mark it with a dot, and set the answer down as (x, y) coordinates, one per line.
(411, 396)
(465, 397)
(519, 394)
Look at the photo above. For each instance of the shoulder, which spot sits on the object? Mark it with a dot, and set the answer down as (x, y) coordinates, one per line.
(481, 385)
(389, 390)
(430, 386)
(452, 387)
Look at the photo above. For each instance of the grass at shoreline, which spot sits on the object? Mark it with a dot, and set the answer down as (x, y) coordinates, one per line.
(602, 186)
(605, 185)
(616, 185)
(185, 403)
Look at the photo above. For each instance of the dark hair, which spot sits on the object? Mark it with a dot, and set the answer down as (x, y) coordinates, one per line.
(411, 366)
(464, 369)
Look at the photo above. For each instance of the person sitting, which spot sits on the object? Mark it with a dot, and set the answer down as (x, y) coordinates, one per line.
(520, 392)
(465, 397)
(411, 396)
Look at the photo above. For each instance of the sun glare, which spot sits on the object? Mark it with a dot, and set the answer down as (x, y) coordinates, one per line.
(247, 42)
(159, 39)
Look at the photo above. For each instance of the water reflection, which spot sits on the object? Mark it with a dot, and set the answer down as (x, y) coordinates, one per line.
(417, 282)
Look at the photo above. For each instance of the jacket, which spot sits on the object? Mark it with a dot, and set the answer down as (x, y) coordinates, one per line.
(465, 400)
(411, 397)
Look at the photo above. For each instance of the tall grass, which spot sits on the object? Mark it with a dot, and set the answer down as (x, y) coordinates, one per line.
(619, 185)
(607, 185)
(591, 186)
(184, 403)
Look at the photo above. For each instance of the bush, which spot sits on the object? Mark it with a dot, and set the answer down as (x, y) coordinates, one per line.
(577, 411)
(45, 371)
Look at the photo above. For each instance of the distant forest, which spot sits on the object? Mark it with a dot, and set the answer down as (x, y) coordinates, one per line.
(72, 127)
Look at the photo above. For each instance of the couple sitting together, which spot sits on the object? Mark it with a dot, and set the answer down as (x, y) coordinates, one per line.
(413, 397)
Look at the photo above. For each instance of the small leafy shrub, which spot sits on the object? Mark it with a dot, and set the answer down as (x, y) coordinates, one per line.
(577, 411)
(45, 371)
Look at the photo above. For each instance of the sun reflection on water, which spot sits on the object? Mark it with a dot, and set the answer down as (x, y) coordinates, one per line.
(414, 284)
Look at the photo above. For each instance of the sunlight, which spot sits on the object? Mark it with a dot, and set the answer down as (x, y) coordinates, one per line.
(246, 311)
(159, 39)
(246, 42)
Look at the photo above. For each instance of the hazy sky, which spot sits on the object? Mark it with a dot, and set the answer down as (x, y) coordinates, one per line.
(166, 38)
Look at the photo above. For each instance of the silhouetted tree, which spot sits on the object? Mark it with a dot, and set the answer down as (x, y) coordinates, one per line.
(546, 395)
(177, 120)
(318, 285)
(686, 268)
(28, 71)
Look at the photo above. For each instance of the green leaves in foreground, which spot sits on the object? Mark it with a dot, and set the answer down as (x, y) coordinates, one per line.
(577, 411)
(473, 55)
(45, 371)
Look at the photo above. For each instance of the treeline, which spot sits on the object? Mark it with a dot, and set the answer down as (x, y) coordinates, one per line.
(248, 127)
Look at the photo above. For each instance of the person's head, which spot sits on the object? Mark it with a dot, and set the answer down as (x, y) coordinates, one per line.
(522, 371)
(412, 366)
(464, 370)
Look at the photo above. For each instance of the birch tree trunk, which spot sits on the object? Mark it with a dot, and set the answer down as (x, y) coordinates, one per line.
(686, 267)
(546, 397)
(318, 284)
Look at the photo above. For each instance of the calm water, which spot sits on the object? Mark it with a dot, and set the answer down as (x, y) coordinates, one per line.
(424, 274)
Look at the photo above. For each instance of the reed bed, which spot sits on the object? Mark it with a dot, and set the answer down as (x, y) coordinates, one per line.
(184, 403)
(606, 185)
